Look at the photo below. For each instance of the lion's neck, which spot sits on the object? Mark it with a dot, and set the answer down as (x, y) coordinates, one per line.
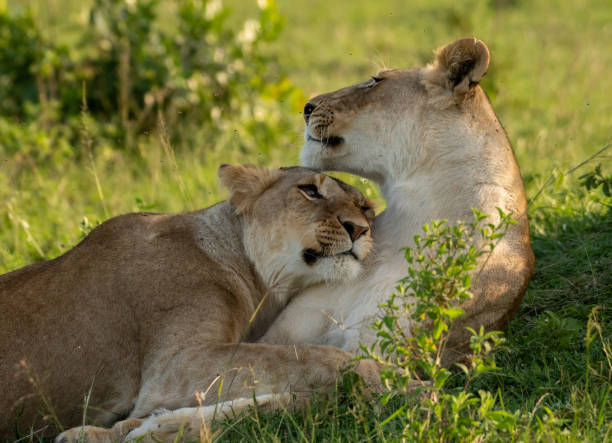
(281, 281)
(463, 176)
(264, 287)
(276, 269)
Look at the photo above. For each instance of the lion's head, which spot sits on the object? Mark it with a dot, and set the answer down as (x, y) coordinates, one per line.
(300, 222)
(391, 124)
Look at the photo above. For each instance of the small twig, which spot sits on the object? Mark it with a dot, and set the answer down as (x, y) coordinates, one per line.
(569, 171)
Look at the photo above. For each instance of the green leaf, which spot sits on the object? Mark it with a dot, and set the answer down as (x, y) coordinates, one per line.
(454, 312)
(388, 321)
(440, 378)
(463, 367)
(439, 327)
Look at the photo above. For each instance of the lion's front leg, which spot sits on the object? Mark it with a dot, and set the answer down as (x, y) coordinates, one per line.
(193, 424)
(95, 434)
(224, 372)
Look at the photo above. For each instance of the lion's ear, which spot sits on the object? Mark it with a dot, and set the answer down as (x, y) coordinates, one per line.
(457, 68)
(246, 183)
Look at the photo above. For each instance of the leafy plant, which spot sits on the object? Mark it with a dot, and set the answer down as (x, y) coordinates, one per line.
(414, 329)
(595, 179)
(198, 74)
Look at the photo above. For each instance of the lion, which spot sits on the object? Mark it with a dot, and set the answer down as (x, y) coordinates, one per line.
(150, 309)
(432, 142)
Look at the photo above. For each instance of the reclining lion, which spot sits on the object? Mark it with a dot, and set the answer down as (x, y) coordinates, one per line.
(150, 308)
(430, 138)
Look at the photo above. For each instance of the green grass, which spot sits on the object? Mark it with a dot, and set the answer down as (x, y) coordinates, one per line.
(550, 84)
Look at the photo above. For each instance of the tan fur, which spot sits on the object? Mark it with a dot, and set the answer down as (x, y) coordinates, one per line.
(150, 308)
(431, 140)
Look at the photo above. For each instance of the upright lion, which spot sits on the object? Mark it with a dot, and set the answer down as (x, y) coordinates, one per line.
(430, 139)
(151, 308)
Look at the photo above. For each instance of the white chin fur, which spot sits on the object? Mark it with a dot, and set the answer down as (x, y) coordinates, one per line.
(336, 268)
(310, 155)
(314, 155)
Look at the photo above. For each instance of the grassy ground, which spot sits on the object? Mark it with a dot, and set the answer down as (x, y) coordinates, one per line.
(550, 84)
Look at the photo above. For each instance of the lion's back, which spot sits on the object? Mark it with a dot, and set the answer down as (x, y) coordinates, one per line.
(53, 313)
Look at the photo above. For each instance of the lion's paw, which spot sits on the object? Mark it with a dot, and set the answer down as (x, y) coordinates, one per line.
(95, 434)
(183, 424)
(88, 434)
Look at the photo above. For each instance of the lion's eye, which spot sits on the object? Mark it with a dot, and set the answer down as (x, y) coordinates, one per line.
(310, 191)
(368, 211)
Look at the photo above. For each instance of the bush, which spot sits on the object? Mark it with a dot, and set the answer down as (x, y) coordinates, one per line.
(130, 71)
(414, 327)
(595, 178)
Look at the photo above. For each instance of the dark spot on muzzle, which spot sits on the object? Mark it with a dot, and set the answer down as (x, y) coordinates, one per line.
(332, 141)
(310, 256)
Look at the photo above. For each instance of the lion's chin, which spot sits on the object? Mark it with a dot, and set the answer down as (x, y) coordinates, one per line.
(340, 267)
(310, 155)
(313, 155)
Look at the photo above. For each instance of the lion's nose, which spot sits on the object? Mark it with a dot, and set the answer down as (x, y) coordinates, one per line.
(308, 108)
(354, 231)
